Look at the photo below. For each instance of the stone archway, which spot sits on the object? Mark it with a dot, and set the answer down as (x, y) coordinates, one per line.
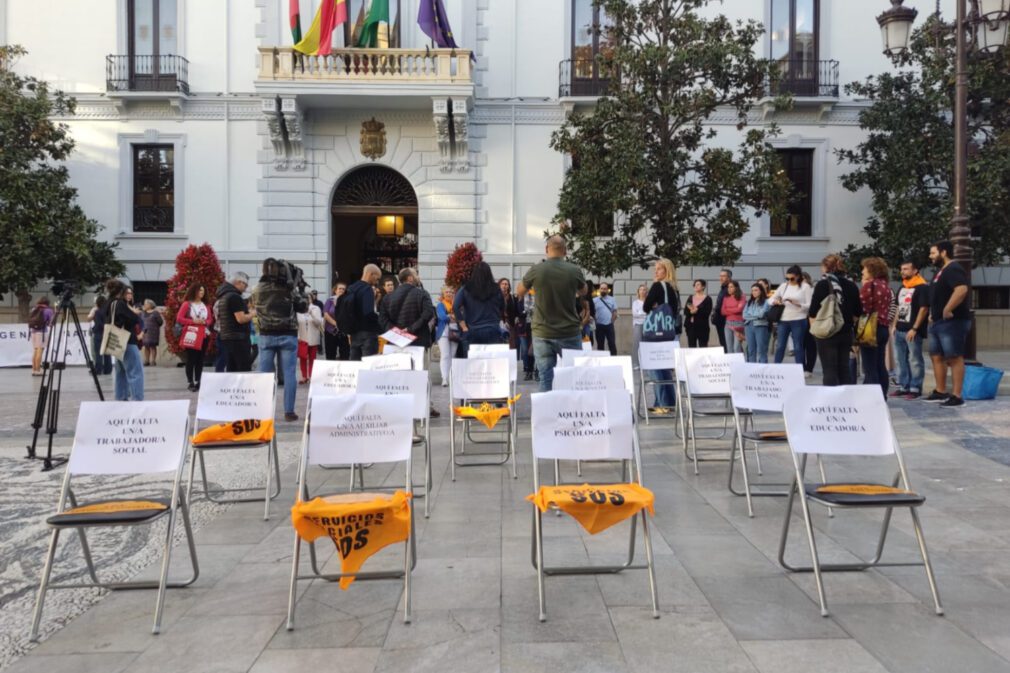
(362, 195)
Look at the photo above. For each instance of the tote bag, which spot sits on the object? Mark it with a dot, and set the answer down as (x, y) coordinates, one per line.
(866, 330)
(661, 323)
(114, 339)
(192, 337)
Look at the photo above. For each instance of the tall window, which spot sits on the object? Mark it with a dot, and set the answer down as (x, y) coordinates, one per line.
(589, 39)
(153, 44)
(794, 26)
(153, 188)
(798, 165)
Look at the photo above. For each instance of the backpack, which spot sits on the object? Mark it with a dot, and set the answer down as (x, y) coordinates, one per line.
(37, 318)
(829, 320)
(346, 313)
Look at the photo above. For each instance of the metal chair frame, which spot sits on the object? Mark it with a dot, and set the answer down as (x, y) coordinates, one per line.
(509, 439)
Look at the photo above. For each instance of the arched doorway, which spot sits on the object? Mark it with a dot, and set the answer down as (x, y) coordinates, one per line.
(362, 196)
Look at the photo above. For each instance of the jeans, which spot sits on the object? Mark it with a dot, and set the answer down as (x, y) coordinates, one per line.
(733, 344)
(526, 353)
(221, 359)
(362, 344)
(873, 359)
(482, 335)
(834, 354)
(605, 334)
(129, 378)
(948, 338)
(666, 396)
(757, 342)
(546, 352)
(797, 329)
(911, 367)
(286, 346)
(103, 363)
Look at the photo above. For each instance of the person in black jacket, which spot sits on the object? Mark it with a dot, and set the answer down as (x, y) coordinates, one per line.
(360, 303)
(697, 311)
(834, 350)
(276, 301)
(718, 319)
(409, 307)
(129, 372)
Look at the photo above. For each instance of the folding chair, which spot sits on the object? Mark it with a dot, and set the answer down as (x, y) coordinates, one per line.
(568, 354)
(417, 384)
(479, 381)
(604, 359)
(654, 355)
(234, 398)
(388, 362)
(123, 438)
(706, 380)
(847, 421)
(504, 352)
(418, 354)
(559, 436)
(335, 433)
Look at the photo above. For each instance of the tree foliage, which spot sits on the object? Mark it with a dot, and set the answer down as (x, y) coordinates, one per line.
(45, 234)
(647, 153)
(195, 264)
(907, 158)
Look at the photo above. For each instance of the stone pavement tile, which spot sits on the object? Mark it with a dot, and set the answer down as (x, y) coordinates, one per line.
(245, 530)
(219, 644)
(855, 587)
(721, 556)
(320, 625)
(630, 588)
(251, 589)
(277, 546)
(346, 660)
(911, 639)
(108, 662)
(576, 611)
(766, 608)
(803, 656)
(443, 641)
(216, 561)
(558, 551)
(678, 642)
(458, 540)
(579, 657)
(460, 583)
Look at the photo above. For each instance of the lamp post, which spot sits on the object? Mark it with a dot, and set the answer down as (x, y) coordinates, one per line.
(991, 20)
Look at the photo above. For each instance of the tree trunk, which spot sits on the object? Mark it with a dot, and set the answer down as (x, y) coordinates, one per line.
(24, 304)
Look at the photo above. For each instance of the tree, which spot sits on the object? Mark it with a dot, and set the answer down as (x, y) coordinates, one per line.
(906, 160)
(195, 264)
(45, 234)
(644, 152)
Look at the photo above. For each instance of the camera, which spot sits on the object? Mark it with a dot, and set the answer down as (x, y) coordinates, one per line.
(294, 274)
(63, 287)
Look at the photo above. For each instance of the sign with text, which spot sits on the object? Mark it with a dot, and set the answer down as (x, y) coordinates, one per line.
(568, 355)
(399, 337)
(843, 420)
(763, 387)
(413, 383)
(334, 377)
(130, 437)
(587, 425)
(653, 355)
(480, 348)
(357, 428)
(622, 361)
(707, 370)
(387, 363)
(235, 397)
(16, 345)
(416, 354)
(506, 354)
(589, 378)
(480, 379)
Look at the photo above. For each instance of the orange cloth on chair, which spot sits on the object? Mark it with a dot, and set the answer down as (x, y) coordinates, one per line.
(359, 525)
(596, 507)
(863, 489)
(486, 413)
(116, 506)
(239, 432)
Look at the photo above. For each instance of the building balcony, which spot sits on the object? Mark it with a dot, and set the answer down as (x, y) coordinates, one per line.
(146, 75)
(806, 79)
(581, 78)
(404, 77)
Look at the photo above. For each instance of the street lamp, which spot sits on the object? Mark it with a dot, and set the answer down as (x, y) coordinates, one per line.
(993, 24)
(896, 27)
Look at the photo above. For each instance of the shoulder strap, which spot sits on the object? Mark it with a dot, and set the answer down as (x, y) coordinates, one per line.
(666, 297)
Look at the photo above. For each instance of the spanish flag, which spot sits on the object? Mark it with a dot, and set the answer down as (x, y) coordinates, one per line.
(317, 41)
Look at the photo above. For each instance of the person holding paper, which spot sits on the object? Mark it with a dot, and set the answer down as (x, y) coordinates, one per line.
(408, 308)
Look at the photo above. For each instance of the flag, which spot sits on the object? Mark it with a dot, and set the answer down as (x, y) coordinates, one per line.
(295, 18)
(375, 32)
(434, 23)
(318, 40)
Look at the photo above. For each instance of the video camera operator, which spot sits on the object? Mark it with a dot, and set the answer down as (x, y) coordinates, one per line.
(277, 299)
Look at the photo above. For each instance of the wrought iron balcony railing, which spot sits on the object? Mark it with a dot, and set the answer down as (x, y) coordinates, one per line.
(806, 79)
(581, 77)
(137, 72)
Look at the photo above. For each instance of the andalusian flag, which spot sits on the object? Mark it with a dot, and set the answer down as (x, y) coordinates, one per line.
(295, 18)
(375, 31)
(318, 40)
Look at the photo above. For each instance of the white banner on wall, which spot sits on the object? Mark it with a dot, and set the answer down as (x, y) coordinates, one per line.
(16, 346)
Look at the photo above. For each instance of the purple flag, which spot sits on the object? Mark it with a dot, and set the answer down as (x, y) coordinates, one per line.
(435, 24)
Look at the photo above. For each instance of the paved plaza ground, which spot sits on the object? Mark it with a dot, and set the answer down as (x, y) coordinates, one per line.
(727, 605)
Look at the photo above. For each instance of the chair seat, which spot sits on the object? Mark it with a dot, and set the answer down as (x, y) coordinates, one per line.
(864, 499)
(111, 512)
(778, 436)
(230, 445)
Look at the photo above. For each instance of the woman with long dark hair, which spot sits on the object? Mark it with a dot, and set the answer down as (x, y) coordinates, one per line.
(129, 371)
(510, 313)
(794, 296)
(479, 306)
(876, 296)
(732, 311)
(755, 318)
(195, 313)
(697, 311)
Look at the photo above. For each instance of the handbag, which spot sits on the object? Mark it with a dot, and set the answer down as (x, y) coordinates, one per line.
(115, 339)
(774, 314)
(660, 324)
(193, 337)
(866, 328)
(829, 319)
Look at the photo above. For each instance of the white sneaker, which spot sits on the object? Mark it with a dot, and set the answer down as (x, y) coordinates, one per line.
(445, 384)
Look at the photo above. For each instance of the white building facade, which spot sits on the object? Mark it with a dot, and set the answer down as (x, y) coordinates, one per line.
(197, 123)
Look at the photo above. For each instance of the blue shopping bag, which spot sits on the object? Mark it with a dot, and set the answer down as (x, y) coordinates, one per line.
(981, 383)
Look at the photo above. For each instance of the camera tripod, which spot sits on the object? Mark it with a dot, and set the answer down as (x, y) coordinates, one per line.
(47, 408)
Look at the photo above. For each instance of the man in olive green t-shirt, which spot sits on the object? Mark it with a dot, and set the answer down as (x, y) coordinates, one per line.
(556, 323)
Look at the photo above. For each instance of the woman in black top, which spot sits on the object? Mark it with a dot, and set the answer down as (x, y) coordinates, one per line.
(663, 291)
(129, 372)
(510, 314)
(697, 311)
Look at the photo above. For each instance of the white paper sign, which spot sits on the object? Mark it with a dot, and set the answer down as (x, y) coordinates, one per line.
(480, 379)
(416, 354)
(16, 346)
(481, 348)
(568, 355)
(506, 354)
(334, 377)
(399, 337)
(385, 363)
(589, 425)
(622, 361)
(843, 420)
(235, 397)
(589, 378)
(360, 428)
(656, 355)
(708, 370)
(130, 437)
(413, 383)
(763, 387)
